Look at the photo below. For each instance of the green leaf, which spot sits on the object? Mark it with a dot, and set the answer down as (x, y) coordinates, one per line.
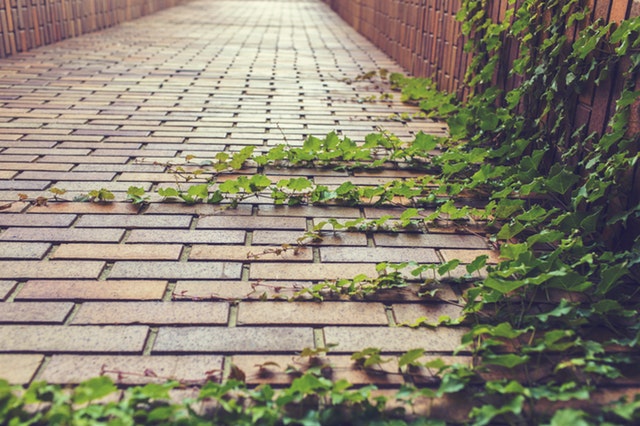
(93, 389)
(410, 357)
(560, 179)
(505, 360)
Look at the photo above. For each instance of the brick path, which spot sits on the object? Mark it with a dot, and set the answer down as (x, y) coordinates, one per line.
(89, 288)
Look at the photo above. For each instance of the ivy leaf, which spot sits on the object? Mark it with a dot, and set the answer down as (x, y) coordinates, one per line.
(410, 357)
(505, 360)
(92, 389)
(561, 179)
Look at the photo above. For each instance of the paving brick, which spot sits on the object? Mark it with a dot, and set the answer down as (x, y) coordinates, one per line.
(152, 313)
(62, 235)
(26, 269)
(34, 312)
(11, 250)
(236, 290)
(137, 221)
(199, 209)
(232, 340)
(118, 251)
(468, 256)
(252, 222)
(292, 237)
(84, 208)
(47, 167)
(393, 339)
(176, 270)
(429, 240)
(5, 288)
(50, 220)
(309, 211)
(186, 236)
(7, 174)
(409, 313)
(132, 369)
(19, 369)
(59, 338)
(70, 176)
(305, 271)
(251, 254)
(379, 254)
(92, 290)
(311, 313)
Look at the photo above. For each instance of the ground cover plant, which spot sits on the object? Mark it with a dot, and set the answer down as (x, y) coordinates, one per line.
(551, 325)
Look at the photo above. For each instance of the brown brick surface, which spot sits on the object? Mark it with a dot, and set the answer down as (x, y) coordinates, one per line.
(237, 290)
(176, 313)
(138, 221)
(429, 240)
(62, 220)
(92, 290)
(293, 237)
(5, 288)
(311, 313)
(187, 236)
(25, 269)
(132, 370)
(19, 369)
(380, 254)
(252, 222)
(232, 340)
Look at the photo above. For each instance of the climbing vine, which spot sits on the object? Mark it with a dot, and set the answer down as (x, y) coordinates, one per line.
(556, 319)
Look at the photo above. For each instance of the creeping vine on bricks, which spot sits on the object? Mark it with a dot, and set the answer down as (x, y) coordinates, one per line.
(556, 320)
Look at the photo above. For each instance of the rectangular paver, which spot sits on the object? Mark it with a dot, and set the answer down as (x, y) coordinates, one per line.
(34, 312)
(137, 221)
(152, 313)
(314, 271)
(110, 235)
(17, 250)
(92, 290)
(132, 369)
(59, 338)
(393, 339)
(176, 270)
(311, 313)
(186, 236)
(118, 251)
(19, 369)
(232, 340)
(26, 269)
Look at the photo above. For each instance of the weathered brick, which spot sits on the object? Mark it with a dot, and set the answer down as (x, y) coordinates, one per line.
(380, 254)
(7, 174)
(232, 340)
(309, 211)
(305, 271)
(5, 288)
(83, 208)
(19, 369)
(131, 221)
(92, 290)
(199, 209)
(50, 220)
(292, 237)
(252, 222)
(393, 339)
(25, 269)
(251, 254)
(176, 270)
(118, 251)
(11, 250)
(468, 256)
(409, 313)
(429, 240)
(152, 313)
(48, 167)
(34, 312)
(62, 235)
(62, 176)
(311, 313)
(59, 338)
(236, 290)
(185, 236)
(132, 369)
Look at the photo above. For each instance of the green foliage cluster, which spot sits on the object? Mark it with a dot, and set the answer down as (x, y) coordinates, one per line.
(556, 319)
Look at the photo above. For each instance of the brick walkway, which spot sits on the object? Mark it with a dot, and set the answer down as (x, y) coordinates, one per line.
(89, 287)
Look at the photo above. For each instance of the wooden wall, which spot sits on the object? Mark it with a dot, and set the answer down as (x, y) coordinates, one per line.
(25, 24)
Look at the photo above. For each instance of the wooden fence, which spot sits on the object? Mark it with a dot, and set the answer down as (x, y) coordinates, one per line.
(25, 24)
